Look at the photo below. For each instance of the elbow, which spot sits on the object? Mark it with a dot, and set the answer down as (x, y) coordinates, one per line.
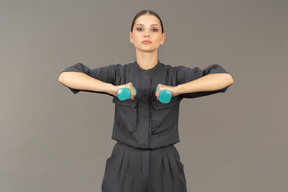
(61, 78)
(230, 79)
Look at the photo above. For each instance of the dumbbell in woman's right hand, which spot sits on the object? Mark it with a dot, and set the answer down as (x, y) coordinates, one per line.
(124, 93)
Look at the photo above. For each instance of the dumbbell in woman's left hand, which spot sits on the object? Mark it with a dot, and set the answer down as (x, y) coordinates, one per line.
(169, 91)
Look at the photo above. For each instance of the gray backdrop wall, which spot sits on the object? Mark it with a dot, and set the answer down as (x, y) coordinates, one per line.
(52, 140)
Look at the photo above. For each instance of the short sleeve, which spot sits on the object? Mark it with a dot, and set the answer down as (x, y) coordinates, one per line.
(106, 74)
(186, 74)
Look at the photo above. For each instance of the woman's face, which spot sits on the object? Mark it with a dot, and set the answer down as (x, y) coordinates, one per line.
(147, 33)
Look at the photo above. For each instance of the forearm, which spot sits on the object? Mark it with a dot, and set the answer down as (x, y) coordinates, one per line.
(81, 81)
(211, 82)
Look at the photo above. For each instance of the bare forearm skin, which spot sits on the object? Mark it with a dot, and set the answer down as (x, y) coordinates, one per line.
(211, 82)
(78, 80)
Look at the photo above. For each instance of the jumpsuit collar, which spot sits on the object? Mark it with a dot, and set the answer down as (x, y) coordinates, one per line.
(147, 71)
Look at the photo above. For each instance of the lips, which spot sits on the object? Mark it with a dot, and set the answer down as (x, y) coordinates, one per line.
(146, 42)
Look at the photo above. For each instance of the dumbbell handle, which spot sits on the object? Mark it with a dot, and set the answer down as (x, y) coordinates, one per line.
(124, 93)
(164, 96)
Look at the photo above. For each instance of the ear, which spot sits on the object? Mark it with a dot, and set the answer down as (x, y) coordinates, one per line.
(163, 38)
(131, 37)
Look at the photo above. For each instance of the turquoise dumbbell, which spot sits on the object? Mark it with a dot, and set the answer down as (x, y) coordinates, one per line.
(164, 96)
(124, 93)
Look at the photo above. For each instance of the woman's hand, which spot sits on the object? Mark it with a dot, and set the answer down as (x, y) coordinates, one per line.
(129, 86)
(172, 89)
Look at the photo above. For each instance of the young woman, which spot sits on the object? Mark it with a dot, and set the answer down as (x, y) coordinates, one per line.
(144, 158)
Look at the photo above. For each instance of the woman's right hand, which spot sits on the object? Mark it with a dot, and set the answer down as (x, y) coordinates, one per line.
(128, 85)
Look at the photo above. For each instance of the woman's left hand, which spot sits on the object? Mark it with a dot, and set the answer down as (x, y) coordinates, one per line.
(172, 89)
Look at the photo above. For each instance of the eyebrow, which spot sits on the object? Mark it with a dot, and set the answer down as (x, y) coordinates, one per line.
(150, 25)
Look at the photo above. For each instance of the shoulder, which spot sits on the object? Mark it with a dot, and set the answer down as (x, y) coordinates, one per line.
(167, 66)
(114, 67)
(173, 68)
(121, 68)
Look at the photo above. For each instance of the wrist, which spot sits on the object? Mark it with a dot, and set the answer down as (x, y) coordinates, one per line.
(111, 89)
(177, 90)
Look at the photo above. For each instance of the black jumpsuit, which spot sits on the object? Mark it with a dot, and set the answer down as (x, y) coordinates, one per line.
(144, 159)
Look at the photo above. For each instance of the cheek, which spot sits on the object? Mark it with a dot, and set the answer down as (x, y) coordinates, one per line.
(137, 38)
(158, 38)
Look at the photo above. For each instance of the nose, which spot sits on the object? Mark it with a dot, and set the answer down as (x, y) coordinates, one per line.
(146, 33)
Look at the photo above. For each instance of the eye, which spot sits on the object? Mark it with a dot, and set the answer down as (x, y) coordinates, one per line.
(139, 29)
(155, 30)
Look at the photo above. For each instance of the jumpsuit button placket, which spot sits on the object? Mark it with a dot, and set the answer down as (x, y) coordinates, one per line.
(146, 152)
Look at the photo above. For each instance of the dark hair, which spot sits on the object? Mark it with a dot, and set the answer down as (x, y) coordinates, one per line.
(146, 12)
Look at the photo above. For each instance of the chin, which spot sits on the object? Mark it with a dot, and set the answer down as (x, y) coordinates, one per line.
(147, 49)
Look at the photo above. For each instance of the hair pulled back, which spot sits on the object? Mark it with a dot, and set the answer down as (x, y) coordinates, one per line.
(146, 12)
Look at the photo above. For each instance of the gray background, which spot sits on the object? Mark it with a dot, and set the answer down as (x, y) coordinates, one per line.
(52, 140)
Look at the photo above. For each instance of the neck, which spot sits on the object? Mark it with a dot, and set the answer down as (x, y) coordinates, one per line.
(146, 60)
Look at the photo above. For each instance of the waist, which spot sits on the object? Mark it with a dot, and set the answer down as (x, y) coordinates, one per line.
(143, 149)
